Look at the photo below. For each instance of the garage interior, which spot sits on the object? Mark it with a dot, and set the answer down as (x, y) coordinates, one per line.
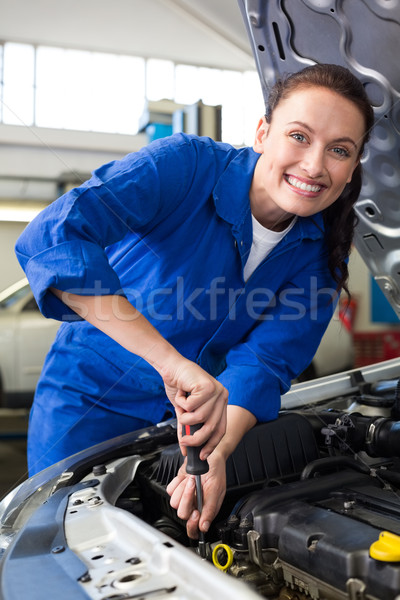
(38, 163)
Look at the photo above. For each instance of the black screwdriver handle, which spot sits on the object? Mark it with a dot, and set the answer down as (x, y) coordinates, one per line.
(194, 464)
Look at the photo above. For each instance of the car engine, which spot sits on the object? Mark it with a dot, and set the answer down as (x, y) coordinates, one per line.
(312, 508)
(311, 512)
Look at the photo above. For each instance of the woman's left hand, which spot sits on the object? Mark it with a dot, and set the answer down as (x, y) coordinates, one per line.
(182, 490)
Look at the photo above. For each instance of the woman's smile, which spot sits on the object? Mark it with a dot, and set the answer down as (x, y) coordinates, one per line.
(301, 185)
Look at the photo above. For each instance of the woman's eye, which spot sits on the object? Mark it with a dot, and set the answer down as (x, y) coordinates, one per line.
(298, 136)
(341, 152)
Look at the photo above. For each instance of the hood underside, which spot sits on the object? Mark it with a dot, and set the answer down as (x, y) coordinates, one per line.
(364, 36)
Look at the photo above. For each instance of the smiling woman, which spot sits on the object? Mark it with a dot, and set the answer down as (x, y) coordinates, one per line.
(191, 270)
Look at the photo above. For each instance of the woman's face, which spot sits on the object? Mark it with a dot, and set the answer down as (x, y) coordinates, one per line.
(308, 153)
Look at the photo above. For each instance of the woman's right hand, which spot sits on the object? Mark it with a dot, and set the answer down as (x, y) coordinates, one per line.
(197, 398)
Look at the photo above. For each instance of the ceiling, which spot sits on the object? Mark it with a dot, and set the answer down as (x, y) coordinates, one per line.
(203, 32)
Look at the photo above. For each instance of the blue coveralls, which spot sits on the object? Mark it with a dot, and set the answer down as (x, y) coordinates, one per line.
(170, 228)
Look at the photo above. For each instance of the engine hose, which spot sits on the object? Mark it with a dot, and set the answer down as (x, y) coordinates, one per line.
(389, 476)
(378, 436)
(396, 405)
(383, 438)
(324, 464)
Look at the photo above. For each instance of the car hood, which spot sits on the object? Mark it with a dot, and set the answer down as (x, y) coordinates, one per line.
(363, 36)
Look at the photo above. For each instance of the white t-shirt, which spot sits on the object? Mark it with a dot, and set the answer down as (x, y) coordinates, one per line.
(264, 240)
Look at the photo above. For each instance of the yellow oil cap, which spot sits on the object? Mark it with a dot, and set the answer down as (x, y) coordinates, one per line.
(386, 548)
(222, 557)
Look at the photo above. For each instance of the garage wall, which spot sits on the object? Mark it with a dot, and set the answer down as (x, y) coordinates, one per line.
(359, 285)
(34, 161)
(10, 271)
(33, 152)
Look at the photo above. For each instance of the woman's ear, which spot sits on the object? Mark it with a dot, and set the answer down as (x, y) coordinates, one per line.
(261, 133)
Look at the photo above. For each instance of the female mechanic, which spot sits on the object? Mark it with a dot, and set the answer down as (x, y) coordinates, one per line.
(192, 270)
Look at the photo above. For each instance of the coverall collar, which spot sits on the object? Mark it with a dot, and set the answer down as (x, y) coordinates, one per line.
(232, 203)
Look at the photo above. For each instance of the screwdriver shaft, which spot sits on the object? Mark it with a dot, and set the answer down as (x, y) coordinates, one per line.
(199, 494)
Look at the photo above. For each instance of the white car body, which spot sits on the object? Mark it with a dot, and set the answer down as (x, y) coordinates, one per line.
(25, 339)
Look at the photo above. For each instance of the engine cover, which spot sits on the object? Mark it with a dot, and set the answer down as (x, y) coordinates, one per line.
(324, 528)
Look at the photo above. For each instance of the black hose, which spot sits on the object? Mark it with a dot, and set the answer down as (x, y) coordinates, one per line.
(383, 438)
(390, 476)
(332, 462)
(396, 404)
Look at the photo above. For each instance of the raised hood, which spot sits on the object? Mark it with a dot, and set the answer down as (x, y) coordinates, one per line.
(364, 36)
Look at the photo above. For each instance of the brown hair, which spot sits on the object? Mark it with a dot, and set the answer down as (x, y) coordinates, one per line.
(340, 218)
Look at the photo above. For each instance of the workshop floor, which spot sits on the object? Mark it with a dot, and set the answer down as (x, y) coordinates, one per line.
(13, 468)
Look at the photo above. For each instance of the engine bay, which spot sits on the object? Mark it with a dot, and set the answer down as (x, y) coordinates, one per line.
(312, 508)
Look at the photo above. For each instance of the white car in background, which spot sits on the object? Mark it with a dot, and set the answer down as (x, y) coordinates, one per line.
(25, 338)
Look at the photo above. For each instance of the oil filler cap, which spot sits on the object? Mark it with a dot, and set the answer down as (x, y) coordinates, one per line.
(386, 548)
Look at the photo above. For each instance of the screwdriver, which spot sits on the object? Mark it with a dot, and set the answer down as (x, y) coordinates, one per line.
(197, 467)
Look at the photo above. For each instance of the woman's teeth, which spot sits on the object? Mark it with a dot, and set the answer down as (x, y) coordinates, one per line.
(303, 186)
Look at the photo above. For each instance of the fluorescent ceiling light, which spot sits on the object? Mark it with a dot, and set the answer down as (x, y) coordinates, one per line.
(21, 212)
